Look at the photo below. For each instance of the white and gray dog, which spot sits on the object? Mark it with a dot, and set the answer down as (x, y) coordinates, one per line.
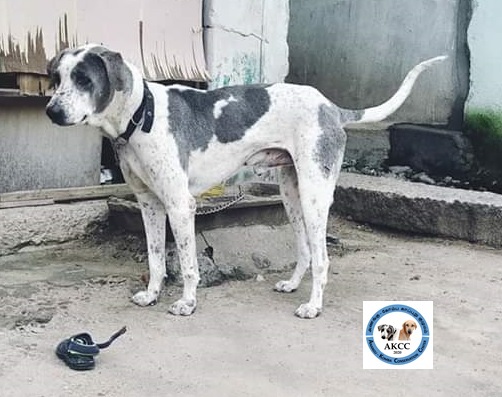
(174, 142)
(387, 332)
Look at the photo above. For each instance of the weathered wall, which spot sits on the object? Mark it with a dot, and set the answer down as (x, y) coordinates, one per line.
(245, 41)
(36, 154)
(358, 51)
(485, 32)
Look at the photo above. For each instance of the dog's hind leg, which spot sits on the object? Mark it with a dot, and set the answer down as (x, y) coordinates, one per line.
(316, 201)
(288, 182)
(316, 186)
(154, 220)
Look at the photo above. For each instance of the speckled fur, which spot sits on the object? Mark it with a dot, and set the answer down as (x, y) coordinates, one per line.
(199, 139)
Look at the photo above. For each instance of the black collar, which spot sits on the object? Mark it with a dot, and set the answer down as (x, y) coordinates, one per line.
(143, 115)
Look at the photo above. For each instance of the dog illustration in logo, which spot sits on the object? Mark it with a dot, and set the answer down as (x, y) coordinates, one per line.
(387, 331)
(408, 327)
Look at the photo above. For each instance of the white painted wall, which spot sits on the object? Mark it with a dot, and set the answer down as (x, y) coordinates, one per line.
(484, 36)
(275, 53)
(246, 41)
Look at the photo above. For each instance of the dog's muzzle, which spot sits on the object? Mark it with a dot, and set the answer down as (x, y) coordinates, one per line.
(57, 114)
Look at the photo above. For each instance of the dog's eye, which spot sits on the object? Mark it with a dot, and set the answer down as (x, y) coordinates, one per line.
(82, 80)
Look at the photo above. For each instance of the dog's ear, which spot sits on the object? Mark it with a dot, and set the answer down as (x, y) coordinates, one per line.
(380, 327)
(115, 67)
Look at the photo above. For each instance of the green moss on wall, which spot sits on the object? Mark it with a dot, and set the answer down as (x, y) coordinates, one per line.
(484, 129)
(242, 69)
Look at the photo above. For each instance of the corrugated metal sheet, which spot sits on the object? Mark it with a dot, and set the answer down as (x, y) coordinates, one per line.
(162, 37)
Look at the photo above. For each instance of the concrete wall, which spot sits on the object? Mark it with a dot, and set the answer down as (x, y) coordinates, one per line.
(358, 51)
(485, 32)
(35, 154)
(245, 41)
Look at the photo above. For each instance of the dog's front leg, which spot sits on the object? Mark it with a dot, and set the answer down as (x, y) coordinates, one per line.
(182, 221)
(154, 220)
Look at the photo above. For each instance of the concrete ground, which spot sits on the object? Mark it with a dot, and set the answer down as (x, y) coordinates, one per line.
(244, 340)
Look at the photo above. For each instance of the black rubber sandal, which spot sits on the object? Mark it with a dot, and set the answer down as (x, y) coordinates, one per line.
(78, 351)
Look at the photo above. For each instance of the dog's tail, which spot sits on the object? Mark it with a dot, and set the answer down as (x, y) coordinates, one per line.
(379, 113)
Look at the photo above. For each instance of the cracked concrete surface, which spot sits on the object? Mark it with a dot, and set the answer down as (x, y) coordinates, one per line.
(236, 31)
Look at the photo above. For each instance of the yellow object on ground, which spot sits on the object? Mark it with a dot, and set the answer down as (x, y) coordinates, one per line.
(215, 191)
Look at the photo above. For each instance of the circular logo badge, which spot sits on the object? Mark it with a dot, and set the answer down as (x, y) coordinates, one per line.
(397, 334)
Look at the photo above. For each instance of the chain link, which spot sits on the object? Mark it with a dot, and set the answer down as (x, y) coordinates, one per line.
(223, 206)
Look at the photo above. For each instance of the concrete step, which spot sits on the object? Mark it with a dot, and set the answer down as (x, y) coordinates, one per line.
(420, 208)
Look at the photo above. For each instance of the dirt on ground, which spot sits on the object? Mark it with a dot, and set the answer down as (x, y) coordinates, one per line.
(243, 339)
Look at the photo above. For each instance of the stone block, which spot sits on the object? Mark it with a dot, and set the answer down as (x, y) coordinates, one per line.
(434, 151)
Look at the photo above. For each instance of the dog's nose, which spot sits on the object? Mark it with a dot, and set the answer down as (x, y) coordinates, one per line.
(55, 113)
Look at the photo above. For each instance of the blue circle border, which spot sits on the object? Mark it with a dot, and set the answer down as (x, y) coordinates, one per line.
(402, 309)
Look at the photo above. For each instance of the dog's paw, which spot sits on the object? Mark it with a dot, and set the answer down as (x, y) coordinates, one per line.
(183, 307)
(144, 298)
(285, 286)
(307, 311)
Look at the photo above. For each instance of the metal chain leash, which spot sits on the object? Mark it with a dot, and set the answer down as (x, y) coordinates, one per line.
(223, 206)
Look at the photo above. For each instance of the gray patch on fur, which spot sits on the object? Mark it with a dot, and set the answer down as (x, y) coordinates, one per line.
(90, 75)
(192, 121)
(350, 116)
(119, 74)
(331, 143)
(101, 73)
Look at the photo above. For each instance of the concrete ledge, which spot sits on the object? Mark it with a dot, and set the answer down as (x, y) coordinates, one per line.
(419, 208)
(20, 227)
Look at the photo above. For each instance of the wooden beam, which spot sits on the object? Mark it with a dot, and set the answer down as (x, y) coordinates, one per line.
(50, 196)
(68, 194)
(25, 203)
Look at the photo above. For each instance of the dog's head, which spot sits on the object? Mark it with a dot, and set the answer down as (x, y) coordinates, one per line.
(409, 326)
(387, 331)
(85, 81)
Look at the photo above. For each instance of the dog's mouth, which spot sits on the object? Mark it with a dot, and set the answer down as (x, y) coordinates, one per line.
(62, 122)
